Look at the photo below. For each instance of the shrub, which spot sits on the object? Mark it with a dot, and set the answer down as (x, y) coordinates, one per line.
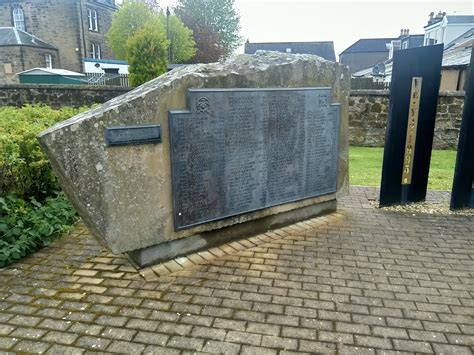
(33, 211)
(26, 226)
(24, 169)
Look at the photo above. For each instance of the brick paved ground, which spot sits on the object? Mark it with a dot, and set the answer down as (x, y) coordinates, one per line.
(362, 280)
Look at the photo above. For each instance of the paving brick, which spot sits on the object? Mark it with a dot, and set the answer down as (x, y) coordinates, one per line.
(63, 349)
(243, 338)
(87, 329)
(118, 333)
(452, 349)
(314, 347)
(357, 281)
(279, 343)
(125, 347)
(180, 342)
(25, 320)
(387, 332)
(352, 328)
(60, 337)
(460, 339)
(55, 324)
(220, 347)
(112, 320)
(427, 336)
(334, 337)
(28, 346)
(92, 343)
(373, 342)
(415, 346)
(254, 350)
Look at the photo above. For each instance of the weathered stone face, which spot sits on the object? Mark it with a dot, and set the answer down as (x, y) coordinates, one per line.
(124, 193)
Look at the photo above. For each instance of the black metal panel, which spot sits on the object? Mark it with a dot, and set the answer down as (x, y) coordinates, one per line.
(240, 150)
(425, 63)
(462, 195)
(133, 135)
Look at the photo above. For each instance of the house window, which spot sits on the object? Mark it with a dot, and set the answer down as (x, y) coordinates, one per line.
(48, 61)
(95, 51)
(405, 45)
(19, 19)
(93, 21)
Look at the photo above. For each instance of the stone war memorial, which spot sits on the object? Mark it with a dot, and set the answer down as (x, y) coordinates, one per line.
(208, 153)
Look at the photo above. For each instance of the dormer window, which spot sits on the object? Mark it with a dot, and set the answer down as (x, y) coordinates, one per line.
(18, 19)
(93, 20)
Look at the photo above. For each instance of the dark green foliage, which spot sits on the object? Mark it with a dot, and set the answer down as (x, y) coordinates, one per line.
(26, 226)
(32, 210)
(147, 54)
(24, 169)
(219, 15)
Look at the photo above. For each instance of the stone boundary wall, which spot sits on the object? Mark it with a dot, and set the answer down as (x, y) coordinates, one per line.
(368, 111)
(57, 95)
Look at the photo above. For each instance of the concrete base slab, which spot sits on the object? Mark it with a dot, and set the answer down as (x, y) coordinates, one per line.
(175, 248)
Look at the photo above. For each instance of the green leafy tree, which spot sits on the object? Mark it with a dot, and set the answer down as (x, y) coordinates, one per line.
(147, 54)
(126, 22)
(181, 39)
(131, 20)
(220, 15)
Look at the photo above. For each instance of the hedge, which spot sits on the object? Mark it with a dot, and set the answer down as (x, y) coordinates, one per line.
(33, 210)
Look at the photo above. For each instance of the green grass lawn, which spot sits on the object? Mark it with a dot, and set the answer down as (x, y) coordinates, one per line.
(366, 167)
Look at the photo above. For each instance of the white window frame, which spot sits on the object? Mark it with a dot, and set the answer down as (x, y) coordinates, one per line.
(48, 61)
(19, 18)
(95, 51)
(93, 20)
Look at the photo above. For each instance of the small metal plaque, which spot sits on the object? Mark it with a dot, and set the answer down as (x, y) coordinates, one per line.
(133, 135)
(412, 127)
(240, 150)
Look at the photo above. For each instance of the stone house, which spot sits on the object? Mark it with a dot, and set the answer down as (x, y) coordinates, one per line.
(68, 30)
(20, 50)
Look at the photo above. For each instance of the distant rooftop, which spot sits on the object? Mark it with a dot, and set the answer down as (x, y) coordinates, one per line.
(457, 53)
(11, 36)
(369, 45)
(460, 19)
(324, 49)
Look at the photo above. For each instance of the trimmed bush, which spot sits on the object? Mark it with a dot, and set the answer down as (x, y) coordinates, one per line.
(32, 209)
(24, 169)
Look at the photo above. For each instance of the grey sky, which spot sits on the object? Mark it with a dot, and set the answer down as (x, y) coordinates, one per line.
(340, 21)
(343, 22)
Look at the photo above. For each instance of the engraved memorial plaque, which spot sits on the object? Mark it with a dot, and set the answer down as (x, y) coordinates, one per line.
(241, 150)
(133, 135)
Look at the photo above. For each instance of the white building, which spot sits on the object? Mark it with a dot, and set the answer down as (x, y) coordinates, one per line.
(444, 29)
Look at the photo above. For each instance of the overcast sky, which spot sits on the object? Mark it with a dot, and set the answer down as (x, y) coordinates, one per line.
(340, 21)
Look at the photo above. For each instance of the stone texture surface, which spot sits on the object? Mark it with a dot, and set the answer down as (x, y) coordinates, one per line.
(124, 193)
(362, 280)
(368, 112)
(57, 96)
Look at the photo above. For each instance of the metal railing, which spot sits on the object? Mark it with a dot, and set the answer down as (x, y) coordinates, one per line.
(103, 79)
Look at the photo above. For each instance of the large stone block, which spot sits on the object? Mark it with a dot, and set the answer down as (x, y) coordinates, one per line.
(124, 193)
